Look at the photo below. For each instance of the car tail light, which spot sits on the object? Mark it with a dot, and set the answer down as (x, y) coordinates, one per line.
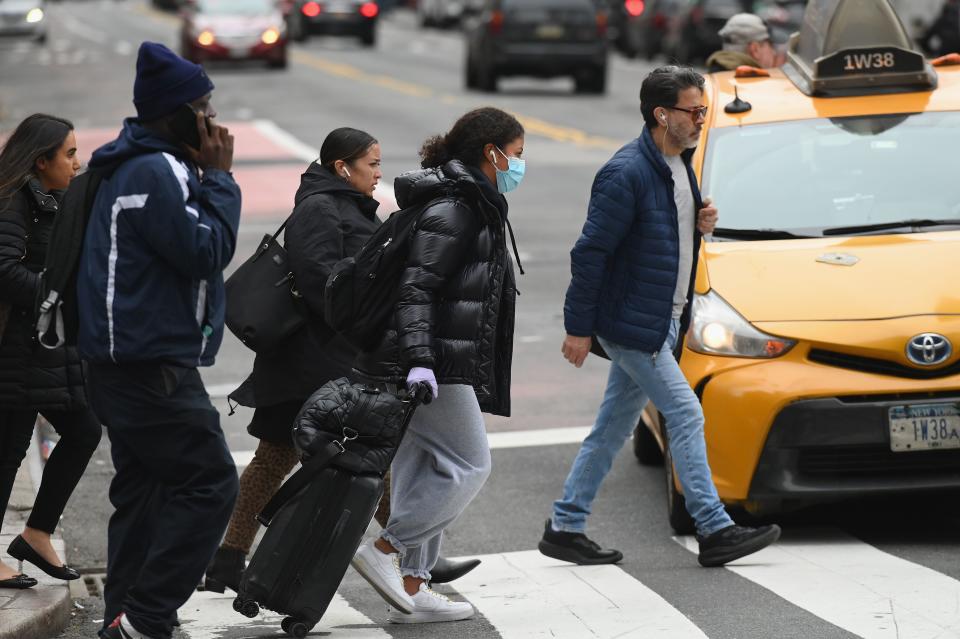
(311, 9)
(206, 38)
(496, 22)
(634, 7)
(369, 10)
(601, 24)
(696, 14)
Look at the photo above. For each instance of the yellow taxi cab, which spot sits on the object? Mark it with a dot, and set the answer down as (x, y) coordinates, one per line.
(826, 318)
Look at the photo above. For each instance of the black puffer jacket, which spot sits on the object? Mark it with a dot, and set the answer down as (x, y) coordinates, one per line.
(331, 220)
(31, 376)
(457, 295)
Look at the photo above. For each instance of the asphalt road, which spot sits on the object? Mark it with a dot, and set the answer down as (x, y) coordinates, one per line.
(874, 569)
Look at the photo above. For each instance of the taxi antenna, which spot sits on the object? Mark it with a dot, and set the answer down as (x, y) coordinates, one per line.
(737, 105)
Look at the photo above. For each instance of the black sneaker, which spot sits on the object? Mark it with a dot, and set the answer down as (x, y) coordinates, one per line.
(576, 548)
(121, 628)
(734, 542)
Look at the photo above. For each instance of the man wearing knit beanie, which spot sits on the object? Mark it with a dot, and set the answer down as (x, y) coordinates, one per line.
(746, 41)
(150, 295)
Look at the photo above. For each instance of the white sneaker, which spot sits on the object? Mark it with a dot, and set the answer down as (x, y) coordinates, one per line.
(382, 571)
(430, 606)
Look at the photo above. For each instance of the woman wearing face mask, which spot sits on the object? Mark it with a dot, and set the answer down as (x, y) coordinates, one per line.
(334, 214)
(453, 330)
(36, 166)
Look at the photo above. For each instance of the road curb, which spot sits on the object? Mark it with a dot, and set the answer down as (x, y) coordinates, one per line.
(43, 611)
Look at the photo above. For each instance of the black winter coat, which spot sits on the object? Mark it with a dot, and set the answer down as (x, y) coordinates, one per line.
(30, 375)
(330, 220)
(457, 297)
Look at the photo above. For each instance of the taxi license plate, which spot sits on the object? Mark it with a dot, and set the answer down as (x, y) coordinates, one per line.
(924, 427)
(550, 31)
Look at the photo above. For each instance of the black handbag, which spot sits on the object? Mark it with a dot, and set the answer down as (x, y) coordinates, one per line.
(263, 306)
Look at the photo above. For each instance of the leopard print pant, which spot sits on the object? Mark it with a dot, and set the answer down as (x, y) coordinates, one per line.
(260, 480)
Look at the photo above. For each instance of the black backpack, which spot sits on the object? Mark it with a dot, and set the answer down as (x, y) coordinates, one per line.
(57, 316)
(361, 291)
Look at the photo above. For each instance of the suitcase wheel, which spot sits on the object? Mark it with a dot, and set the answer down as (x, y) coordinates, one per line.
(246, 607)
(292, 626)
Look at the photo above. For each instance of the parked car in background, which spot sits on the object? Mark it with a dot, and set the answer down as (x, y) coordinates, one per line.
(23, 19)
(234, 30)
(541, 38)
(638, 27)
(352, 18)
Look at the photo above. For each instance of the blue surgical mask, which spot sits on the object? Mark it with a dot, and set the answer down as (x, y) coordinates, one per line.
(510, 179)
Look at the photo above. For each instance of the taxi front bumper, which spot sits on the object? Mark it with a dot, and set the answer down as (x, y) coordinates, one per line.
(796, 428)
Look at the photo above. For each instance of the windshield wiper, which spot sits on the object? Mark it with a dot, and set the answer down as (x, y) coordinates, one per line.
(756, 234)
(884, 226)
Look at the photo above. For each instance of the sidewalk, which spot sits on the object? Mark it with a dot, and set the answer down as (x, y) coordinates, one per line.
(43, 611)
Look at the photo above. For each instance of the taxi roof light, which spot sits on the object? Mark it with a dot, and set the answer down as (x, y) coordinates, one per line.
(855, 47)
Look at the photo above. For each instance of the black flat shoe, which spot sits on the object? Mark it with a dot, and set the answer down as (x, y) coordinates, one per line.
(445, 570)
(20, 582)
(576, 548)
(734, 542)
(19, 549)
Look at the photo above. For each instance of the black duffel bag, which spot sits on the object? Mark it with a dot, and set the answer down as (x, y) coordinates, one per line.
(263, 306)
(354, 427)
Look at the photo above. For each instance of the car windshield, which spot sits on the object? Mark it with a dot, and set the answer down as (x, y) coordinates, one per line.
(810, 176)
(235, 7)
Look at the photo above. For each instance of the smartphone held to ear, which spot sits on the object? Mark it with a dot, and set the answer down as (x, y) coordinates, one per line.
(184, 126)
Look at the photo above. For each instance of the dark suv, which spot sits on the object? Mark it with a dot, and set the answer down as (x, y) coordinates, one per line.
(542, 38)
(357, 18)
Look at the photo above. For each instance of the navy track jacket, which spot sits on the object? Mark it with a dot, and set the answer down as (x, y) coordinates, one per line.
(625, 263)
(150, 284)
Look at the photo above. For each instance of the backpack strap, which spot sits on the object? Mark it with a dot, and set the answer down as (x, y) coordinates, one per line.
(50, 310)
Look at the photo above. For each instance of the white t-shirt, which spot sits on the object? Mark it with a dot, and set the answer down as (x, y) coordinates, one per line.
(683, 197)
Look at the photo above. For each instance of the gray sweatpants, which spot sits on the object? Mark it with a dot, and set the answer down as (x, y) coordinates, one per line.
(441, 465)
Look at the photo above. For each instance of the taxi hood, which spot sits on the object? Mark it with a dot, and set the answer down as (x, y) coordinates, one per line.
(858, 278)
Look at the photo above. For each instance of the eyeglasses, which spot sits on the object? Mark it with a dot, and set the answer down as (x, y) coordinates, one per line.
(695, 112)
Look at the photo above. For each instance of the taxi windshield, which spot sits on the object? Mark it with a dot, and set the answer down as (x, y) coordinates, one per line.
(815, 177)
(235, 7)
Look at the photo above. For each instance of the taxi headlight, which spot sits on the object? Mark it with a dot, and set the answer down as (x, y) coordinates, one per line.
(270, 36)
(206, 37)
(717, 329)
(34, 15)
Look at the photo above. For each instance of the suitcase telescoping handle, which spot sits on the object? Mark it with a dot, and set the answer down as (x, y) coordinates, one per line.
(319, 462)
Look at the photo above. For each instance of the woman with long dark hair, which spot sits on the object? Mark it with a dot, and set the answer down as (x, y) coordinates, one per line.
(334, 213)
(452, 329)
(36, 166)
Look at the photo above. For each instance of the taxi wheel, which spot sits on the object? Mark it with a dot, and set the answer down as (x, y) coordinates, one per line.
(646, 448)
(680, 520)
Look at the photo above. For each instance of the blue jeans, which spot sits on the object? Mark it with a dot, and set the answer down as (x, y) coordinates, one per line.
(634, 378)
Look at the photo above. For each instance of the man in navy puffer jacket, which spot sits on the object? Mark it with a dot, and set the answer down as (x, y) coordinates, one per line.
(633, 273)
(151, 303)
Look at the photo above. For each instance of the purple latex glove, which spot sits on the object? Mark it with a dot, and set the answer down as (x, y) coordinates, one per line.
(418, 375)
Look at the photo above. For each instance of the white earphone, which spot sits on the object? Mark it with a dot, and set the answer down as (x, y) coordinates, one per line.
(663, 116)
(346, 172)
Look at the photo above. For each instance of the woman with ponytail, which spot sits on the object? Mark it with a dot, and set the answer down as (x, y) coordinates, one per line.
(453, 330)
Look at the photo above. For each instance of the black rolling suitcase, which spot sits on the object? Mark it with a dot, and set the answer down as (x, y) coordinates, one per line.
(347, 435)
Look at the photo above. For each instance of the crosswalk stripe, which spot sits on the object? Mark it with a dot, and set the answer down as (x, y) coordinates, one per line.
(525, 595)
(208, 615)
(855, 586)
